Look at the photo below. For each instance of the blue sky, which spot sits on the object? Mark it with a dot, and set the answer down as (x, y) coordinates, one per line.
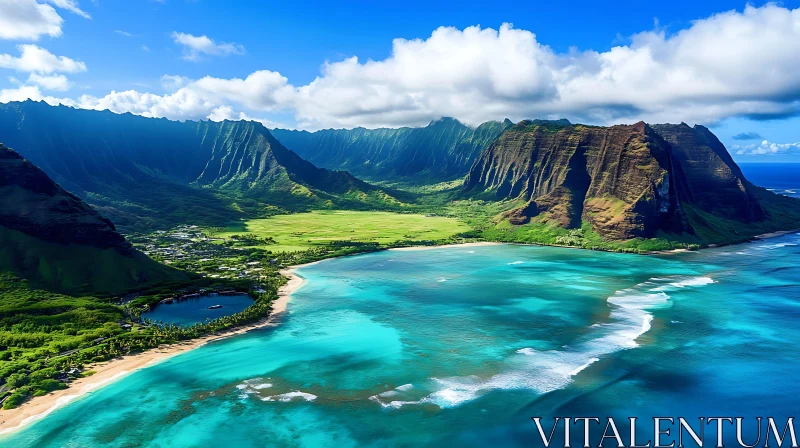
(259, 60)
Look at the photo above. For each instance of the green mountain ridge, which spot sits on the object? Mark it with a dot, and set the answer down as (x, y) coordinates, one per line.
(146, 172)
(442, 151)
(55, 240)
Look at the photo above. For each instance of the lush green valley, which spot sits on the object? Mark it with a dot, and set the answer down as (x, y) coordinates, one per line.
(153, 173)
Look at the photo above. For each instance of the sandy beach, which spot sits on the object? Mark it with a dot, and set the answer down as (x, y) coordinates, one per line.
(112, 370)
(479, 243)
(774, 234)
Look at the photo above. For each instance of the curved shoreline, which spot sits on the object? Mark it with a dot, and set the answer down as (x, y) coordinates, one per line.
(109, 371)
(445, 246)
(106, 372)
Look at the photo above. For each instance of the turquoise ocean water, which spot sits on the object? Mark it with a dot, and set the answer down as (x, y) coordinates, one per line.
(462, 346)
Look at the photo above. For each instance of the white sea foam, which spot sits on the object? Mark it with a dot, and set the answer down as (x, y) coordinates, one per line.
(252, 386)
(693, 281)
(399, 390)
(545, 371)
(290, 396)
(442, 280)
(515, 262)
(579, 369)
(779, 245)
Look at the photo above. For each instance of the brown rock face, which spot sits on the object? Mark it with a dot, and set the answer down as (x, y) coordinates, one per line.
(714, 182)
(33, 204)
(627, 181)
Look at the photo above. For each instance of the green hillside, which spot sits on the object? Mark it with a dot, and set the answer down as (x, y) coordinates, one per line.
(156, 173)
(442, 151)
(57, 242)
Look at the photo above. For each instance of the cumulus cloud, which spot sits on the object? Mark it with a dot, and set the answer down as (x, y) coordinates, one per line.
(194, 47)
(736, 63)
(767, 148)
(195, 99)
(28, 19)
(71, 6)
(28, 92)
(50, 82)
(172, 82)
(223, 113)
(747, 136)
(36, 59)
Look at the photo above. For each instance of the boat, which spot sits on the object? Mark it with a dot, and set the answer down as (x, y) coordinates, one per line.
(214, 307)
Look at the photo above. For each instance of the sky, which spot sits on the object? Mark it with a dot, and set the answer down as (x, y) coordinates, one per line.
(731, 66)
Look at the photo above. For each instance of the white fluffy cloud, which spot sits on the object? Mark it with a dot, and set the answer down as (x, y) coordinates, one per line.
(730, 64)
(767, 148)
(71, 6)
(28, 92)
(263, 90)
(194, 47)
(36, 59)
(50, 82)
(223, 113)
(28, 19)
(733, 63)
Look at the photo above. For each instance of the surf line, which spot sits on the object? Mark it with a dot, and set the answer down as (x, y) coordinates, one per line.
(663, 429)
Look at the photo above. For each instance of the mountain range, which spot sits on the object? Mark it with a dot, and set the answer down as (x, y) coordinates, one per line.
(618, 184)
(146, 172)
(442, 151)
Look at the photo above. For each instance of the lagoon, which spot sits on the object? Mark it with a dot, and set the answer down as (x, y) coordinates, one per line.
(196, 309)
(461, 346)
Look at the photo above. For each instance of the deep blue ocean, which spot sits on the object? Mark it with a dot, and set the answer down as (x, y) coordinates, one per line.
(461, 346)
(782, 178)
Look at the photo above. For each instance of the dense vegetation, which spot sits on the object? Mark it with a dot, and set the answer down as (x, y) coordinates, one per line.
(43, 335)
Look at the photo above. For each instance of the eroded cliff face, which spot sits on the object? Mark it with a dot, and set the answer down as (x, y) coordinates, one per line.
(626, 181)
(714, 182)
(30, 202)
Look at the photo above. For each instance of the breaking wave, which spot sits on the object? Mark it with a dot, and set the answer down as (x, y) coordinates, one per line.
(291, 396)
(546, 371)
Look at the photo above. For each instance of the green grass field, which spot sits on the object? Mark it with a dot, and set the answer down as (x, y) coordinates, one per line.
(302, 231)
